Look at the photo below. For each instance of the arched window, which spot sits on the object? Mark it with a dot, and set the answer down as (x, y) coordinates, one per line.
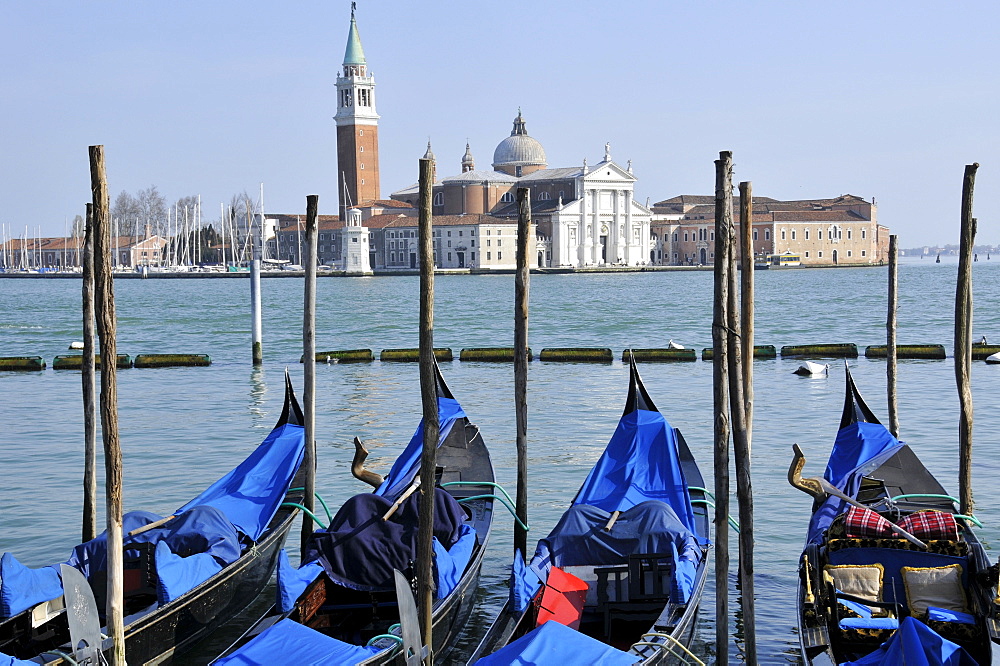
(508, 197)
(864, 235)
(544, 196)
(439, 199)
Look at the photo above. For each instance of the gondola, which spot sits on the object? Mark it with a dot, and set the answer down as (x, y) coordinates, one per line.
(626, 564)
(345, 603)
(185, 575)
(890, 570)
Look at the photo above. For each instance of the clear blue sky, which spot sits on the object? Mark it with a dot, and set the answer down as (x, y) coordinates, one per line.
(887, 99)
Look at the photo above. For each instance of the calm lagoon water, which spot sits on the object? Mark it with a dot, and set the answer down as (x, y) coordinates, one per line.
(184, 427)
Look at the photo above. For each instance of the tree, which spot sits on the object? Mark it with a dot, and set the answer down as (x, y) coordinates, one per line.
(125, 211)
(79, 227)
(152, 210)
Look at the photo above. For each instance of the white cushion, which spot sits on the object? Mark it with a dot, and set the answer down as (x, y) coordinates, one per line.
(859, 580)
(934, 586)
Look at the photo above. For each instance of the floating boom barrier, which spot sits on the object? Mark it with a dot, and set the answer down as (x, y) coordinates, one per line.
(75, 362)
(343, 356)
(842, 350)
(660, 355)
(759, 352)
(442, 354)
(490, 354)
(981, 351)
(172, 360)
(22, 363)
(907, 351)
(577, 355)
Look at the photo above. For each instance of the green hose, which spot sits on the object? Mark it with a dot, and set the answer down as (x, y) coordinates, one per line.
(972, 519)
(479, 483)
(503, 501)
(307, 512)
(329, 516)
(732, 523)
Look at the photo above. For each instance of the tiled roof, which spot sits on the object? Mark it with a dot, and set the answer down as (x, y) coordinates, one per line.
(559, 173)
(384, 203)
(386, 221)
(817, 216)
(480, 176)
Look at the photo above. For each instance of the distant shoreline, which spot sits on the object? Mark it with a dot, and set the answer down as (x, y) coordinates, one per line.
(411, 272)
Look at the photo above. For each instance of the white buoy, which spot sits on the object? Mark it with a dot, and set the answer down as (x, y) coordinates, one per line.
(673, 345)
(76, 345)
(809, 369)
(993, 358)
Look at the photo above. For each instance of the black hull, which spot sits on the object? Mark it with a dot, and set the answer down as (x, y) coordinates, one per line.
(169, 631)
(159, 636)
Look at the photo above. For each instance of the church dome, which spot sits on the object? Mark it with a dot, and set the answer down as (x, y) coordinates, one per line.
(519, 149)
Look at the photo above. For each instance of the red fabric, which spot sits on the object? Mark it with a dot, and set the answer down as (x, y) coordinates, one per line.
(563, 599)
(931, 525)
(866, 523)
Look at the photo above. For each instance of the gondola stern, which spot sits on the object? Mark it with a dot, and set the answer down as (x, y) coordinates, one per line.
(637, 398)
(291, 412)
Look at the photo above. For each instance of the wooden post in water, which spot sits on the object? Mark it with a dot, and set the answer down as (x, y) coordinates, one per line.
(521, 283)
(963, 341)
(89, 385)
(741, 440)
(309, 364)
(720, 400)
(890, 339)
(104, 303)
(257, 335)
(746, 303)
(428, 395)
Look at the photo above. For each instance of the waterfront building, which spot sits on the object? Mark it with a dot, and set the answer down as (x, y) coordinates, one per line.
(460, 241)
(833, 232)
(584, 216)
(288, 241)
(61, 253)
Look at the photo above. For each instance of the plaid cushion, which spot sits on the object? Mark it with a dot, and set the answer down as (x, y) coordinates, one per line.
(866, 523)
(931, 524)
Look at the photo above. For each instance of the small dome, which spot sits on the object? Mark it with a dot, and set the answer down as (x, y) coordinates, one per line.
(519, 149)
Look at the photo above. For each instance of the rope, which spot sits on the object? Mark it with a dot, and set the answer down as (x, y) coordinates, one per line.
(503, 501)
(329, 516)
(307, 512)
(732, 522)
(665, 647)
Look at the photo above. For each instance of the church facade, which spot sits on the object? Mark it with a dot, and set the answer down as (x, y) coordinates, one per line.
(584, 216)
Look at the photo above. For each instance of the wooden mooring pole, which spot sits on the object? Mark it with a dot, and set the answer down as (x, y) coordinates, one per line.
(257, 335)
(521, 283)
(746, 303)
(309, 364)
(89, 385)
(963, 341)
(104, 305)
(740, 424)
(890, 339)
(428, 395)
(720, 400)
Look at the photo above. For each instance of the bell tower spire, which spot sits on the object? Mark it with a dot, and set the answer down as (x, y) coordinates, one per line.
(357, 127)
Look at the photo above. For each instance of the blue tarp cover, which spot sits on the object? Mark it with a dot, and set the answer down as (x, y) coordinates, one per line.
(916, 644)
(289, 642)
(579, 538)
(359, 550)
(524, 583)
(175, 575)
(245, 499)
(848, 484)
(293, 582)
(554, 643)
(407, 464)
(855, 444)
(21, 587)
(640, 463)
(250, 494)
(6, 660)
(449, 564)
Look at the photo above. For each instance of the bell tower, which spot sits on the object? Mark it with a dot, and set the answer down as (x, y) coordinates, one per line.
(357, 127)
